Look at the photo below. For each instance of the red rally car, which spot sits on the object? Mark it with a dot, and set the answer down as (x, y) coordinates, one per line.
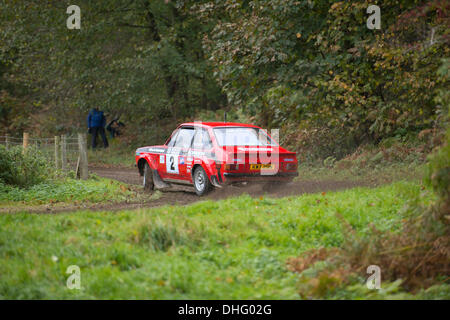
(213, 154)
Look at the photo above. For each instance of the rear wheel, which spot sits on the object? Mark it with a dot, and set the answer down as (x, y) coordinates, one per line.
(148, 178)
(202, 184)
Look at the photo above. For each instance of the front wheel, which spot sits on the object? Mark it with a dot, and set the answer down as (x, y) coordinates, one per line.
(201, 182)
(148, 178)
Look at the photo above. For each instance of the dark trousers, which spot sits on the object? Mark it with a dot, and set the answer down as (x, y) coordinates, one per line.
(94, 132)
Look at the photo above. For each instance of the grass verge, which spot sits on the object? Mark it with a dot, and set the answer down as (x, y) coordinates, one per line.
(376, 175)
(67, 190)
(230, 249)
(113, 156)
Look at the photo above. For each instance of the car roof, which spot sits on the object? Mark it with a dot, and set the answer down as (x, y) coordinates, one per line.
(218, 124)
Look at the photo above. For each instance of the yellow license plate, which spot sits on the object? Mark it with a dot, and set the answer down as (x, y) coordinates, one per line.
(261, 166)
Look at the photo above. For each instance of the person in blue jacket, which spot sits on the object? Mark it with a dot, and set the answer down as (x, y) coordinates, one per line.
(96, 124)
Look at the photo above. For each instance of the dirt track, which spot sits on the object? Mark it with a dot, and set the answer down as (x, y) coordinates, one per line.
(180, 195)
(185, 195)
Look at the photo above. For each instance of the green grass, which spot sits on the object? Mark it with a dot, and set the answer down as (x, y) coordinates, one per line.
(66, 190)
(229, 249)
(115, 155)
(391, 160)
(376, 175)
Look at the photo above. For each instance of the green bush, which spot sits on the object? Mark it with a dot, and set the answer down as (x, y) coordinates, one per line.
(23, 169)
(439, 170)
(7, 168)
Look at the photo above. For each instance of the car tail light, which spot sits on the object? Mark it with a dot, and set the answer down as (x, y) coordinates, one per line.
(290, 166)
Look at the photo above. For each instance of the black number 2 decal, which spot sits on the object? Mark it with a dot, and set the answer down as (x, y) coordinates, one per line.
(172, 167)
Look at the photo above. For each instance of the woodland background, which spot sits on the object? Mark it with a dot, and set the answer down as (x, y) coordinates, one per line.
(311, 68)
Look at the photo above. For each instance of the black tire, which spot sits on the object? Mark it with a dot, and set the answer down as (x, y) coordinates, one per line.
(148, 178)
(202, 185)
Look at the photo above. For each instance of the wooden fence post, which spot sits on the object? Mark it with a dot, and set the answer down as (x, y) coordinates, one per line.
(56, 152)
(63, 152)
(25, 140)
(83, 156)
(7, 141)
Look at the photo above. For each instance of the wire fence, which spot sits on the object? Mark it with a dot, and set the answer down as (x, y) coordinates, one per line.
(66, 152)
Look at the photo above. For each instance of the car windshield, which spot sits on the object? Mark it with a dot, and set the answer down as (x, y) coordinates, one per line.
(242, 136)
